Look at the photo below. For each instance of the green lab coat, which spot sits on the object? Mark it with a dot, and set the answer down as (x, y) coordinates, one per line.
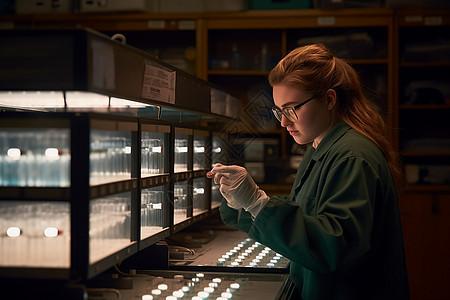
(340, 225)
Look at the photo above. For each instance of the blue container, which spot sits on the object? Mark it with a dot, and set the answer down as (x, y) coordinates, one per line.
(280, 4)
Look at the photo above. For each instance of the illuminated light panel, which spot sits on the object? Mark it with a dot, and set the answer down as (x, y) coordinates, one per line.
(86, 99)
(203, 294)
(32, 99)
(199, 190)
(124, 103)
(51, 232)
(52, 153)
(182, 149)
(13, 231)
(157, 205)
(13, 153)
(127, 150)
(178, 294)
(157, 149)
(199, 149)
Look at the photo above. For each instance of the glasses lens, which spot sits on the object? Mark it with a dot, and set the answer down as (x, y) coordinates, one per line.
(290, 114)
(277, 113)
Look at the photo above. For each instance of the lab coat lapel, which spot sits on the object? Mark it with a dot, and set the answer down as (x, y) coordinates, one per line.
(303, 171)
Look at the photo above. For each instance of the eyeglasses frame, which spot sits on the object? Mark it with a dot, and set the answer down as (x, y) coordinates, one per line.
(294, 108)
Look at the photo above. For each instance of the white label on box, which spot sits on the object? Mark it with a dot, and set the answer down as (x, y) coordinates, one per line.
(330, 20)
(413, 19)
(433, 21)
(159, 84)
(156, 24)
(186, 24)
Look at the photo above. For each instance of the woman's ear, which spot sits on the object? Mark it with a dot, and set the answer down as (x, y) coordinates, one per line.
(331, 99)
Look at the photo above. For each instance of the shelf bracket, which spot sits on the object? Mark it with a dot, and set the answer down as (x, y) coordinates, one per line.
(159, 112)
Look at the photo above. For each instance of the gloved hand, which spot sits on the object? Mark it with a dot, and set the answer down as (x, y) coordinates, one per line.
(236, 182)
(230, 200)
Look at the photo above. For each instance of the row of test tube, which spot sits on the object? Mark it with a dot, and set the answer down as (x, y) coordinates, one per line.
(109, 224)
(152, 155)
(152, 213)
(34, 234)
(30, 157)
(180, 202)
(41, 157)
(110, 155)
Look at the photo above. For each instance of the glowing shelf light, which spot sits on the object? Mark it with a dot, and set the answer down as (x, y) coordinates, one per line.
(199, 149)
(51, 232)
(14, 153)
(13, 231)
(52, 153)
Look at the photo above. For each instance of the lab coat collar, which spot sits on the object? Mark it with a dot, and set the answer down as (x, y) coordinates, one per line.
(330, 138)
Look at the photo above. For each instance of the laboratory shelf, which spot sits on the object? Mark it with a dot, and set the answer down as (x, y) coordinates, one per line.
(154, 180)
(34, 193)
(98, 163)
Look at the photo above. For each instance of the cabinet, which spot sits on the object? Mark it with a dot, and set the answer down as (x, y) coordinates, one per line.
(424, 96)
(426, 231)
(422, 100)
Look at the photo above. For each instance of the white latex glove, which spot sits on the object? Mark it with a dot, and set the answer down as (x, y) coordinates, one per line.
(236, 182)
(230, 200)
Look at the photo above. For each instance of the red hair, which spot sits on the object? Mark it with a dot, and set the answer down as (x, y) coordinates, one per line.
(315, 69)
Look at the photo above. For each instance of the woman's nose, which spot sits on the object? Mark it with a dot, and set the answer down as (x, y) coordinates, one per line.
(285, 121)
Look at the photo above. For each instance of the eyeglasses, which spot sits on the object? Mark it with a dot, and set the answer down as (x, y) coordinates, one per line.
(289, 112)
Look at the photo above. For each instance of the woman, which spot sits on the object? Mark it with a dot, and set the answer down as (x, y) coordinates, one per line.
(340, 225)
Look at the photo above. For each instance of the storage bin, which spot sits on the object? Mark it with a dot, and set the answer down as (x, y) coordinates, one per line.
(280, 4)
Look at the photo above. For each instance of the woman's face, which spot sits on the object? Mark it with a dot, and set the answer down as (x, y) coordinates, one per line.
(315, 118)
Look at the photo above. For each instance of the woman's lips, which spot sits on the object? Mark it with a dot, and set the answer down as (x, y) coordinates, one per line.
(293, 132)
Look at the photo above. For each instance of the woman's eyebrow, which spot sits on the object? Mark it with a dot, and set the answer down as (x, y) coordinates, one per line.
(290, 104)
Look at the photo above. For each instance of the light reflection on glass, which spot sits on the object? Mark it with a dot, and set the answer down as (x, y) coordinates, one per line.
(34, 157)
(35, 234)
(199, 200)
(200, 161)
(110, 157)
(181, 153)
(152, 213)
(180, 201)
(109, 225)
(152, 155)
